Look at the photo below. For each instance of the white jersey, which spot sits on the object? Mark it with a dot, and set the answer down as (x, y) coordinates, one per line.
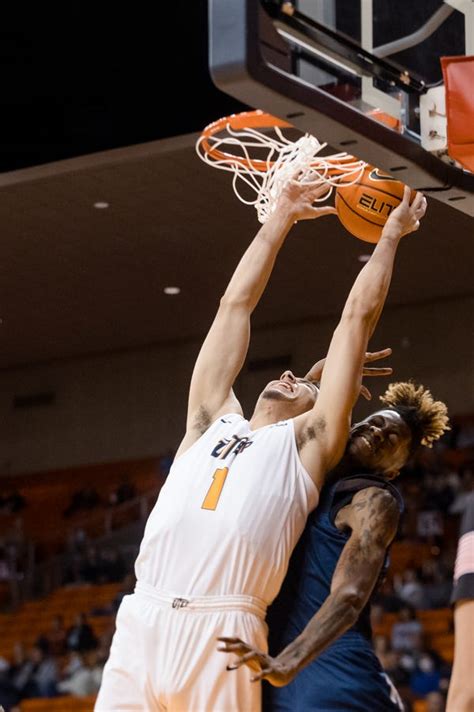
(229, 514)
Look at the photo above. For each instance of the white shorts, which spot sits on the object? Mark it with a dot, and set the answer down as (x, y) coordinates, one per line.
(164, 655)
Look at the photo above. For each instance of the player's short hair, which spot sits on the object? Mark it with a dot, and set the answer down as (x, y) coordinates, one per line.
(426, 418)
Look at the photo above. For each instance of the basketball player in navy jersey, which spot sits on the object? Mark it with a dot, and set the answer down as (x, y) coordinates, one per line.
(321, 617)
(209, 563)
(461, 688)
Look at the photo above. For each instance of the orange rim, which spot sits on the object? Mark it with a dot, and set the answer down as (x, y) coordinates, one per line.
(251, 120)
(245, 120)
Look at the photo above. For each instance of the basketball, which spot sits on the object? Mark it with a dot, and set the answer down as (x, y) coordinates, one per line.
(363, 208)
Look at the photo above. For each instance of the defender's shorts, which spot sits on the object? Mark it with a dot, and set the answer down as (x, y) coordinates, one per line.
(164, 655)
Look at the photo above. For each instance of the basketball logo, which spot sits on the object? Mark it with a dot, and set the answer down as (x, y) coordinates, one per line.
(364, 207)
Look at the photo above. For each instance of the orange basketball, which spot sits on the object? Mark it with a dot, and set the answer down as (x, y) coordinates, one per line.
(363, 208)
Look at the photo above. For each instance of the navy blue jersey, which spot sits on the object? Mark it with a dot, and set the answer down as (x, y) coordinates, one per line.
(347, 676)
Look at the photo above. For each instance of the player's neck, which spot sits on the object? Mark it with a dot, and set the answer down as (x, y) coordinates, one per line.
(268, 412)
(349, 466)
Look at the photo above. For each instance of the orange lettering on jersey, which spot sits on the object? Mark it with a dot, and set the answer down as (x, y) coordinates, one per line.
(214, 492)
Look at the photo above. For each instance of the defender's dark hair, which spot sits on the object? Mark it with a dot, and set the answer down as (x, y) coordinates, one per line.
(426, 418)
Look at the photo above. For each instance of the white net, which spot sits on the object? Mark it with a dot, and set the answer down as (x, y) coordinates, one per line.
(264, 180)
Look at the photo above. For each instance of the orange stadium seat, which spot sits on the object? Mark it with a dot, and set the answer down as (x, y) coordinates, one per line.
(419, 706)
(57, 488)
(34, 617)
(59, 704)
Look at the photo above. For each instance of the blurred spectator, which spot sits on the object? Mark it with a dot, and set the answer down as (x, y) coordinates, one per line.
(438, 492)
(426, 677)
(35, 675)
(85, 680)
(111, 566)
(80, 636)
(54, 641)
(466, 491)
(407, 631)
(429, 524)
(84, 500)
(74, 662)
(77, 541)
(9, 695)
(387, 598)
(409, 589)
(89, 569)
(398, 675)
(124, 492)
(437, 584)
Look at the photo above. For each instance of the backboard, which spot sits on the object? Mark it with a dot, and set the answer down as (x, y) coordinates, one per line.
(364, 76)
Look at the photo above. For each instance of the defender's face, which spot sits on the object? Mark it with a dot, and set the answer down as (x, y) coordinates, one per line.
(381, 442)
(299, 393)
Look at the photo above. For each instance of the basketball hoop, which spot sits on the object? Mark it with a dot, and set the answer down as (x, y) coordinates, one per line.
(262, 163)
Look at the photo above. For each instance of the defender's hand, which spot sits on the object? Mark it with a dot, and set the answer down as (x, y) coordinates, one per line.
(406, 218)
(316, 371)
(264, 666)
(297, 200)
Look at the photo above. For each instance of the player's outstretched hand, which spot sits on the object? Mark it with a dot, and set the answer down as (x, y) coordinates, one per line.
(406, 218)
(264, 666)
(297, 200)
(316, 371)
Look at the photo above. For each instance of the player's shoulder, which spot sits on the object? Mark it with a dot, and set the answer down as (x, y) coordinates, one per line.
(375, 507)
(374, 498)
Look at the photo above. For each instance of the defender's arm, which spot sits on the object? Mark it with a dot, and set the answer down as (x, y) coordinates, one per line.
(373, 519)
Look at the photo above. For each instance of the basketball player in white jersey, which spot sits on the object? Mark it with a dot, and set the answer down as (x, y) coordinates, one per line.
(217, 543)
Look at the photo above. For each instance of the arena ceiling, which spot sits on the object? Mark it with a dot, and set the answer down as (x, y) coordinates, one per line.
(99, 116)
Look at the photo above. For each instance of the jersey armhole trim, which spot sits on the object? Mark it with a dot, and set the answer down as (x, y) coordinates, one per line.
(234, 416)
(301, 468)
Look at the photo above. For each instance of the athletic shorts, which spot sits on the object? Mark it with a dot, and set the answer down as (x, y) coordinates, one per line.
(164, 655)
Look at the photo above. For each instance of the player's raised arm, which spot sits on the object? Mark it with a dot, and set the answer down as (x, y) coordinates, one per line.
(225, 347)
(323, 430)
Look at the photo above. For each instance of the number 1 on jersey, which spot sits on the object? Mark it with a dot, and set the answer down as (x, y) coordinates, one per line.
(214, 492)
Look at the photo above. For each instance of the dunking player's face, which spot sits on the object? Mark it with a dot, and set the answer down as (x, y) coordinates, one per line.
(298, 394)
(380, 443)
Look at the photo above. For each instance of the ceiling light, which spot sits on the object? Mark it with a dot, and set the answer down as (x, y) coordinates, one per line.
(101, 205)
(172, 290)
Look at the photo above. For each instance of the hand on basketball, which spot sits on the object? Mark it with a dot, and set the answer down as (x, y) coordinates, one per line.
(316, 371)
(406, 218)
(297, 200)
(264, 666)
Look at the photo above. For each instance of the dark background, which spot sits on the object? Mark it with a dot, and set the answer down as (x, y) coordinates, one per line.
(89, 78)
